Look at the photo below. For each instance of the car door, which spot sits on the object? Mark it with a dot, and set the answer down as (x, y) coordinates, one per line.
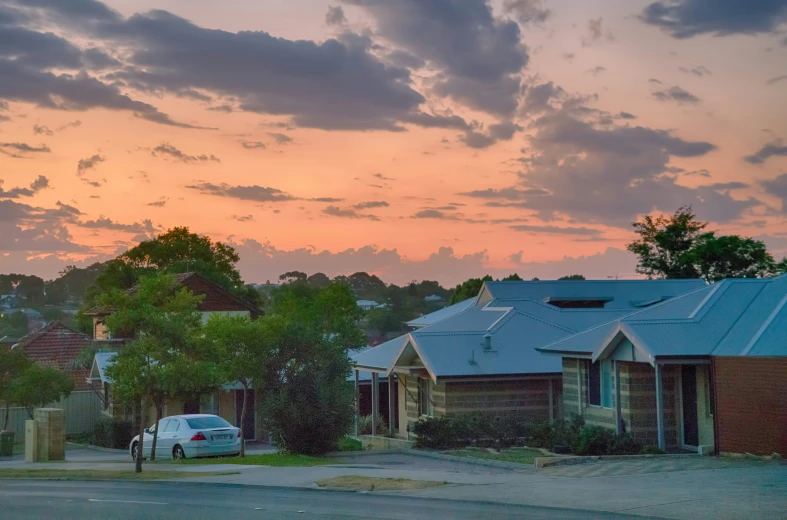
(147, 446)
(170, 437)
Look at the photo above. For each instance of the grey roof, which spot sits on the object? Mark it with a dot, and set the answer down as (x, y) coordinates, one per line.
(100, 363)
(381, 357)
(735, 317)
(446, 312)
(625, 294)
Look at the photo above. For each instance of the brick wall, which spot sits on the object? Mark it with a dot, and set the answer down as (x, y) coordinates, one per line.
(750, 404)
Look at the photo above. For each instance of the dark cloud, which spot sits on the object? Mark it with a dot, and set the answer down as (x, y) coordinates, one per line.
(478, 57)
(326, 199)
(255, 193)
(505, 193)
(434, 214)
(438, 121)
(477, 140)
(776, 148)
(251, 145)
(335, 16)
(371, 204)
(97, 59)
(556, 230)
(540, 98)
(146, 226)
(37, 185)
(405, 60)
(596, 32)
(336, 211)
(22, 150)
(159, 203)
(382, 177)
(504, 130)
(527, 12)
(89, 163)
(70, 124)
(243, 218)
(775, 80)
(595, 71)
(654, 80)
(626, 115)
(42, 129)
(168, 150)
(676, 94)
(227, 108)
(280, 138)
(688, 18)
(697, 71)
(778, 188)
(27, 229)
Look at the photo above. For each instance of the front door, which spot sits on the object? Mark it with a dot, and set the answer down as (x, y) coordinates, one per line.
(689, 392)
(248, 425)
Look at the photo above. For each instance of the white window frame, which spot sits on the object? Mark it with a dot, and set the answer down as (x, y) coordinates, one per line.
(425, 403)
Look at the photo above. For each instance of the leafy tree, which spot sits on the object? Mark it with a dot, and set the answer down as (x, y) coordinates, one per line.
(319, 280)
(13, 363)
(243, 346)
(731, 256)
(14, 325)
(38, 385)
(72, 284)
(512, 278)
(468, 289)
(306, 402)
(572, 277)
(665, 243)
(292, 277)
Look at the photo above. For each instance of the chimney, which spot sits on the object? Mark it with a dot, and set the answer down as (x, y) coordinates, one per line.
(487, 342)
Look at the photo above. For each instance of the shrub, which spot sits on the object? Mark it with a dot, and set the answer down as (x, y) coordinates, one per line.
(596, 440)
(651, 450)
(561, 433)
(469, 429)
(435, 433)
(365, 425)
(113, 433)
(349, 444)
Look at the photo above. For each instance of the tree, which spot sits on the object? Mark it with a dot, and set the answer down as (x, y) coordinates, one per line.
(292, 277)
(13, 364)
(512, 278)
(243, 346)
(469, 289)
(14, 325)
(319, 280)
(731, 256)
(306, 402)
(665, 243)
(38, 385)
(572, 277)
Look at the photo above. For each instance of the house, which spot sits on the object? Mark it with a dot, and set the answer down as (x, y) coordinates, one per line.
(446, 312)
(483, 358)
(367, 305)
(228, 402)
(705, 371)
(386, 393)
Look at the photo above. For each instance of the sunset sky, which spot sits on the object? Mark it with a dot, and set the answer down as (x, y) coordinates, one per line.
(414, 139)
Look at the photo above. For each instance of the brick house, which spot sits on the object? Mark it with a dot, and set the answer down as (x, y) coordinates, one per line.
(484, 357)
(226, 403)
(706, 371)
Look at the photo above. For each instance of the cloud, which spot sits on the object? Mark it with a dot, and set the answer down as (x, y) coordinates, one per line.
(689, 18)
(254, 193)
(89, 163)
(253, 145)
(28, 230)
(655, 81)
(477, 57)
(776, 148)
(371, 204)
(37, 185)
(336, 211)
(168, 150)
(160, 203)
(434, 214)
(595, 71)
(22, 150)
(778, 188)
(335, 16)
(775, 80)
(477, 140)
(626, 115)
(676, 94)
(383, 177)
(697, 71)
(596, 33)
(512, 193)
(527, 12)
(326, 199)
(41, 129)
(243, 218)
(146, 226)
(280, 138)
(556, 230)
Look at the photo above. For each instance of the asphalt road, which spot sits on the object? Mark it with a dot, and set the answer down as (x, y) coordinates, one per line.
(28, 499)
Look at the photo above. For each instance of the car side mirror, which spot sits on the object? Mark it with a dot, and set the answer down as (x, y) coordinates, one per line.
(147, 430)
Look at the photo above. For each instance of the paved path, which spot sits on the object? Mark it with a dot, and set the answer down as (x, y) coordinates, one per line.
(107, 500)
(615, 467)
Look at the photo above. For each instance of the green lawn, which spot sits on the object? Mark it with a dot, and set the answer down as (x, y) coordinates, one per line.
(266, 459)
(518, 455)
(100, 474)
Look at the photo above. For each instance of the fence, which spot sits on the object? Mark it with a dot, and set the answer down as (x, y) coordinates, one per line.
(83, 409)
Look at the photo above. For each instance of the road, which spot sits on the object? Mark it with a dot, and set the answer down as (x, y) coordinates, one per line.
(26, 499)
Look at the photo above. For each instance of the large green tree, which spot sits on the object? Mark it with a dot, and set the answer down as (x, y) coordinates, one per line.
(13, 364)
(468, 289)
(38, 386)
(731, 256)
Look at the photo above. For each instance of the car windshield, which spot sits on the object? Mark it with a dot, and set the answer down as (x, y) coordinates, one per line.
(201, 423)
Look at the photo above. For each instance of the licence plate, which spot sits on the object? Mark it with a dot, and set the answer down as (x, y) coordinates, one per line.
(217, 437)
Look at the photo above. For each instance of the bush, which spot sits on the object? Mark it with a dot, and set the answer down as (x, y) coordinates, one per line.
(349, 444)
(436, 433)
(651, 450)
(561, 433)
(113, 433)
(470, 429)
(596, 440)
(365, 425)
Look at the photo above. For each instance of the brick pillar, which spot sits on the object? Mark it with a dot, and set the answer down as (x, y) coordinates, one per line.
(51, 434)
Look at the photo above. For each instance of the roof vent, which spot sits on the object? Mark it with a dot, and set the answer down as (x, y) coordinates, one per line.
(487, 342)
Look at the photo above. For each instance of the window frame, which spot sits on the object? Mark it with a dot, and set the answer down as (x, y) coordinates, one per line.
(601, 394)
(425, 404)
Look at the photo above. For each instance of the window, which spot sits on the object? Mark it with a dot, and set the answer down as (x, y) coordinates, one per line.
(600, 383)
(425, 406)
(710, 404)
(161, 425)
(172, 427)
(199, 423)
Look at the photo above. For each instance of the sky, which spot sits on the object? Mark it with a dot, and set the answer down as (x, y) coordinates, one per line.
(414, 139)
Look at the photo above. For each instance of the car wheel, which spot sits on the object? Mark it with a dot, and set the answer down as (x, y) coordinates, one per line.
(177, 453)
(134, 451)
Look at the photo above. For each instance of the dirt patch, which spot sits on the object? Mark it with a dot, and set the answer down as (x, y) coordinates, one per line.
(359, 483)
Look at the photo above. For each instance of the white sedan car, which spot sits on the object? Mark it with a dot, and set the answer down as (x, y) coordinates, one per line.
(190, 436)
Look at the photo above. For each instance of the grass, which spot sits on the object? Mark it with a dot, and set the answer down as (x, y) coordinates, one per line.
(100, 474)
(349, 444)
(518, 455)
(265, 459)
(359, 483)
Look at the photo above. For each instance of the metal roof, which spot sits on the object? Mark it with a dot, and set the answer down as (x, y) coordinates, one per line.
(380, 358)
(734, 317)
(446, 312)
(100, 364)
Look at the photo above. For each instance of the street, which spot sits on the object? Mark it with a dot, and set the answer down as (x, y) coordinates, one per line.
(27, 499)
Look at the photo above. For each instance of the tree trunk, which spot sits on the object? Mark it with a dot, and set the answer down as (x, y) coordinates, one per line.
(138, 467)
(159, 411)
(243, 412)
(7, 414)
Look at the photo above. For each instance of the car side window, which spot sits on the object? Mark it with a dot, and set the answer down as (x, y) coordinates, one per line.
(162, 424)
(173, 426)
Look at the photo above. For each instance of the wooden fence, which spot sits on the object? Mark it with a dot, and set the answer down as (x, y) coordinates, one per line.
(83, 409)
